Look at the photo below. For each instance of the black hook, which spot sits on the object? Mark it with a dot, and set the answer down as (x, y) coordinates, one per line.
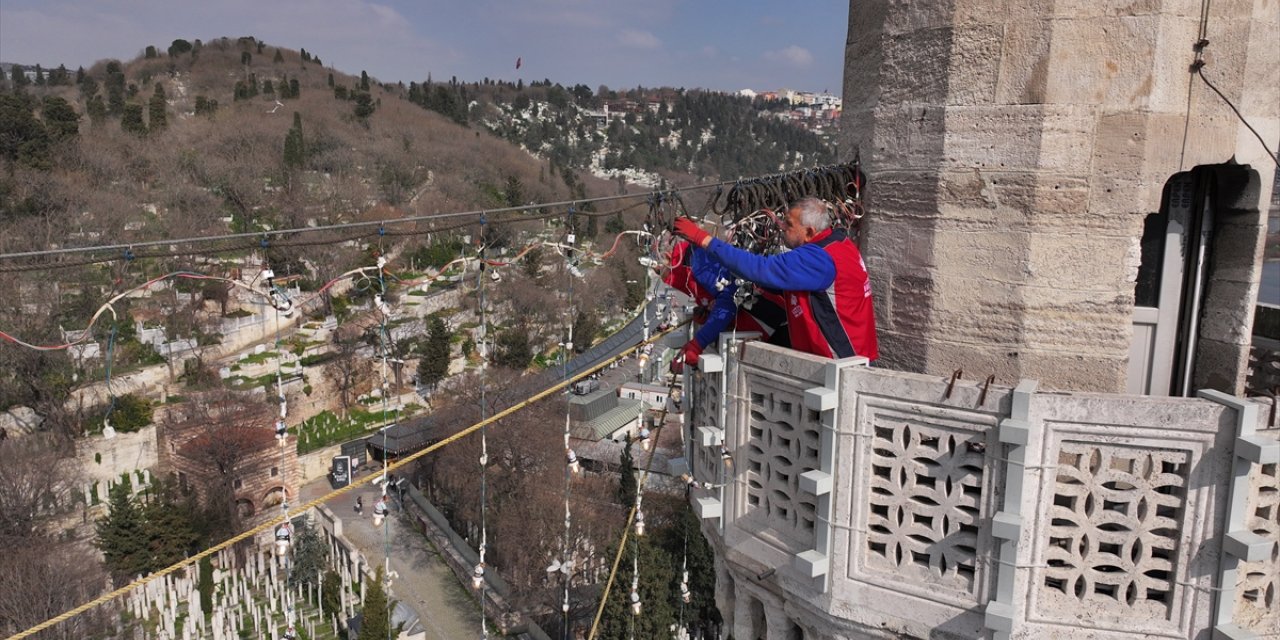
(955, 375)
(982, 397)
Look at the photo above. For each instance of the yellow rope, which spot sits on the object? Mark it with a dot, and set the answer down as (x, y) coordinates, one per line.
(105, 598)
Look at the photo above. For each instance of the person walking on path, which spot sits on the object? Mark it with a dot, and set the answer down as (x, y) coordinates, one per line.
(823, 279)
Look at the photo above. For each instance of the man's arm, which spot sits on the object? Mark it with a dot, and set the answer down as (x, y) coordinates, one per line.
(723, 312)
(807, 268)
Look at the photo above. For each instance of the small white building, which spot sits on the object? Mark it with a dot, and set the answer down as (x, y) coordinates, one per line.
(653, 395)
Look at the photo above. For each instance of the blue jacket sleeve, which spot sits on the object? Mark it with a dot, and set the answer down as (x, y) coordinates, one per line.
(707, 271)
(723, 312)
(806, 268)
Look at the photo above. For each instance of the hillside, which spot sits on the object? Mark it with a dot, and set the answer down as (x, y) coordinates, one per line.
(108, 172)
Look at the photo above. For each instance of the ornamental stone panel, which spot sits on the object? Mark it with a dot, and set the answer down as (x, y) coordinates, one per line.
(1258, 586)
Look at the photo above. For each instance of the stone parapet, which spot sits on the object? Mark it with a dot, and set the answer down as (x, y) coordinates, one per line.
(859, 502)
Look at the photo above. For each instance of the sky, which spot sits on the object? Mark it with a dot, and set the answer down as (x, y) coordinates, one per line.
(713, 44)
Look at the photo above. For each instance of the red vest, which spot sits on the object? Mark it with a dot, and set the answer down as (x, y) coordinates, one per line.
(840, 321)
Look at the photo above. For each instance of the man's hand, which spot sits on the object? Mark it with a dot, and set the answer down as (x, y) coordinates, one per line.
(689, 230)
(689, 355)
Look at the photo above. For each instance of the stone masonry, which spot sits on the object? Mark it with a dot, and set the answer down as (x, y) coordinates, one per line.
(1013, 151)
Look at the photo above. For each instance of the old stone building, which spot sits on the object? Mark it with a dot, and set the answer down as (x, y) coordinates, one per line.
(1065, 228)
(226, 444)
(1033, 164)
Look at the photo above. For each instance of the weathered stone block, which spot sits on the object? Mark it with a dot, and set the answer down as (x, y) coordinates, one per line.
(1102, 61)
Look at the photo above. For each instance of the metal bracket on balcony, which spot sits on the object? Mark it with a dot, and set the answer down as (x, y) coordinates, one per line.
(1247, 546)
(710, 436)
(1006, 526)
(816, 482)
(708, 507)
(811, 563)
(1240, 544)
(711, 363)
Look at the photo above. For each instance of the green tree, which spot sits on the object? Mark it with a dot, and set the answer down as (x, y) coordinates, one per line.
(512, 349)
(121, 536)
(131, 120)
(364, 81)
(308, 555)
(364, 105)
(19, 77)
(279, 57)
(331, 593)
(130, 412)
(585, 327)
(434, 365)
(205, 584)
(158, 119)
(375, 621)
(39, 76)
(627, 483)
(60, 77)
(205, 106)
(179, 47)
(657, 612)
(683, 541)
(245, 58)
(150, 52)
(115, 88)
(22, 137)
(97, 110)
(269, 88)
(294, 145)
(169, 526)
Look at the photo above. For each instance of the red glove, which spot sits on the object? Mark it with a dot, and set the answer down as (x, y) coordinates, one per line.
(689, 230)
(689, 355)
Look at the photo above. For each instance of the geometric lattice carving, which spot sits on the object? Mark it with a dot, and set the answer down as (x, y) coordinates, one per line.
(1257, 597)
(1114, 527)
(926, 496)
(782, 443)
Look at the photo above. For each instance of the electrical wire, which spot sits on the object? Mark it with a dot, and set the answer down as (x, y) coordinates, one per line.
(116, 249)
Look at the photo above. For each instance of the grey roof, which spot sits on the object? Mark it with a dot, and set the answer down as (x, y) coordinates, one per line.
(406, 437)
(593, 405)
(626, 410)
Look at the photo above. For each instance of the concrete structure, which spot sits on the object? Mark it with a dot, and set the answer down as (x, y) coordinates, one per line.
(859, 502)
(1015, 152)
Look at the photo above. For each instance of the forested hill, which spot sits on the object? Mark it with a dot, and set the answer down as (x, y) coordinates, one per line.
(234, 134)
(706, 134)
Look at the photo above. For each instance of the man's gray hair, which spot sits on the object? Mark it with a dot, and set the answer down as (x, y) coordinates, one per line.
(813, 213)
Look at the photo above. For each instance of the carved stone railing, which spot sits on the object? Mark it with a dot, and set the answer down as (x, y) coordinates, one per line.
(859, 502)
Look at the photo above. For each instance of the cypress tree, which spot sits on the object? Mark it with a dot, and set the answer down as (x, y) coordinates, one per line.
(654, 586)
(245, 58)
(205, 585)
(330, 79)
(434, 364)
(131, 119)
(151, 52)
(158, 119)
(376, 614)
(60, 119)
(39, 76)
(80, 75)
(278, 58)
(294, 89)
(364, 81)
(308, 556)
(19, 77)
(97, 109)
(122, 535)
(115, 92)
(627, 484)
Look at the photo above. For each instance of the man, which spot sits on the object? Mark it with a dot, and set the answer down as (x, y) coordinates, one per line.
(823, 279)
(699, 275)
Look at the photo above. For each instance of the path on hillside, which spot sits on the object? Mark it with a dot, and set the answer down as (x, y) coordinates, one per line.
(425, 584)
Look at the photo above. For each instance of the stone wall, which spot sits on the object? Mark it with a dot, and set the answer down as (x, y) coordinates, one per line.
(861, 502)
(104, 459)
(1013, 152)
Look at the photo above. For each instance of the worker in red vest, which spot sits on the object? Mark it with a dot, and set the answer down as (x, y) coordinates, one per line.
(823, 280)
